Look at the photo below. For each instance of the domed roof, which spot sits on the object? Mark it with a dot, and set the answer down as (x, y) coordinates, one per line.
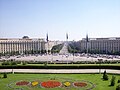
(25, 37)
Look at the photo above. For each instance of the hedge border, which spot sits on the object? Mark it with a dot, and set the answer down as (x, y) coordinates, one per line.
(59, 67)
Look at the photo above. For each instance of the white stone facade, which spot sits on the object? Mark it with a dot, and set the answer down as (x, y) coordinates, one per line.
(102, 44)
(21, 45)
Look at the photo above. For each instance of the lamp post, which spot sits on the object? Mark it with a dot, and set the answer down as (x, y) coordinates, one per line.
(66, 43)
(73, 49)
(12, 67)
(100, 60)
(47, 46)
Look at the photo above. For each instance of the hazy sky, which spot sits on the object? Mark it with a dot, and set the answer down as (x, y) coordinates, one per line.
(34, 18)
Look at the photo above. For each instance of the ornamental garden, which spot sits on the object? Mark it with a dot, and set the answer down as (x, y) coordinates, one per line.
(52, 84)
(59, 82)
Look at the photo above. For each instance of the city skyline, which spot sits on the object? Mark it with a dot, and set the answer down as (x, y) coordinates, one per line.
(36, 18)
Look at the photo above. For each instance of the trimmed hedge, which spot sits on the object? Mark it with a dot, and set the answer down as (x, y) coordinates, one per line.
(58, 67)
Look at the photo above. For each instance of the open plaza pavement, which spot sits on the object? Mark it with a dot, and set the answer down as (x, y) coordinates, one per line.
(48, 71)
(62, 58)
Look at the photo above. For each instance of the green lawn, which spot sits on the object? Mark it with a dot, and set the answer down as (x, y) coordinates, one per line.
(95, 79)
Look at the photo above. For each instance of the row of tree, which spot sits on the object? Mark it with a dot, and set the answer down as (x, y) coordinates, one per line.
(56, 48)
(73, 48)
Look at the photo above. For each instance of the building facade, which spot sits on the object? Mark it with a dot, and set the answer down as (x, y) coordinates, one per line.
(21, 46)
(101, 45)
(27, 45)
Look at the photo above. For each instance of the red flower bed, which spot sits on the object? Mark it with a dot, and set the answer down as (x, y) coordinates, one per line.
(80, 84)
(22, 83)
(50, 84)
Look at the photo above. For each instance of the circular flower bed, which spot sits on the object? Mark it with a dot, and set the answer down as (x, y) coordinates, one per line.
(80, 84)
(22, 83)
(50, 84)
(67, 84)
(34, 83)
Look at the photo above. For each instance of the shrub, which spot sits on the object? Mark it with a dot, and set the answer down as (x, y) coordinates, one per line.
(118, 87)
(24, 63)
(45, 64)
(113, 81)
(13, 63)
(119, 81)
(105, 76)
(6, 63)
(0, 76)
(5, 75)
(18, 62)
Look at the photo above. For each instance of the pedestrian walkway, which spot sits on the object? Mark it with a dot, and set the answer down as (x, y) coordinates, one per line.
(49, 71)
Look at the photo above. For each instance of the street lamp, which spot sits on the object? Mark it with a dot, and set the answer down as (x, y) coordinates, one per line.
(100, 60)
(73, 53)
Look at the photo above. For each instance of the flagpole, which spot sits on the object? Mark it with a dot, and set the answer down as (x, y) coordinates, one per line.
(73, 49)
(66, 36)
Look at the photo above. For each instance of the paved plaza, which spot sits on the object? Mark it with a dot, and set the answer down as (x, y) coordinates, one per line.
(59, 71)
(62, 58)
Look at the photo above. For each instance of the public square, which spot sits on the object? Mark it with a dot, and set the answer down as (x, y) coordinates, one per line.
(63, 58)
